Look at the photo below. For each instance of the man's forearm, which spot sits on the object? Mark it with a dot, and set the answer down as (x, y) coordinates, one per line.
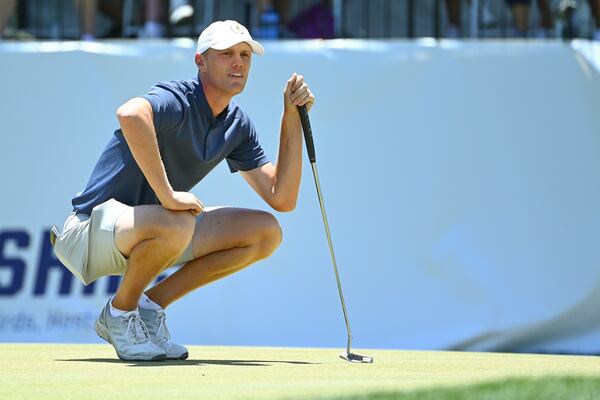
(138, 130)
(289, 161)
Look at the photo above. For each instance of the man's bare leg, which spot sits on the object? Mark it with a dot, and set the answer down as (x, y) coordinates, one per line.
(595, 9)
(453, 8)
(152, 238)
(6, 10)
(225, 241)
(87, 18)
(521, 18)
(546, 19)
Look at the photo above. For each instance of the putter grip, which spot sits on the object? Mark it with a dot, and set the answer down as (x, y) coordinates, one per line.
(308, 138)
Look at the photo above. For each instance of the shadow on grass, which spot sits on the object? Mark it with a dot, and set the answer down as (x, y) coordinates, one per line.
(188, 362)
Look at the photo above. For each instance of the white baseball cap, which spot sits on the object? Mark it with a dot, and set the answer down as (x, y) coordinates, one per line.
(221, 35)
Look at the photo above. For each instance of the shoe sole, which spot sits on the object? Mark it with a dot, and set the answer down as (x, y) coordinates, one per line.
(184, 356)
(102, 332)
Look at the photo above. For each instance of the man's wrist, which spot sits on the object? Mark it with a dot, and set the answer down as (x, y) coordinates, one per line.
(166, 195)
(291, 115)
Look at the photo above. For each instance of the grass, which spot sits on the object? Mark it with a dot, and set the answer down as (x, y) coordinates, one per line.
(550, 388)
(58, 371)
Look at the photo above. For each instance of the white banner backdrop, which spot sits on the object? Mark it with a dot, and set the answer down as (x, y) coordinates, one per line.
(462, 183)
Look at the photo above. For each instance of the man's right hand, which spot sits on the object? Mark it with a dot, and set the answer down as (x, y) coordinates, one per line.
(181, 201)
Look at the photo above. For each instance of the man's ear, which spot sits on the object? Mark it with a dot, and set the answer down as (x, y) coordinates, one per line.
(200, 62)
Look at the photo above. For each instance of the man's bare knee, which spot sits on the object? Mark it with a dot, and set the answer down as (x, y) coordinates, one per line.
(270, 236)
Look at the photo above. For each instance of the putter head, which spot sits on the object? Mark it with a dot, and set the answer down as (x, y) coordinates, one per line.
(357, 358)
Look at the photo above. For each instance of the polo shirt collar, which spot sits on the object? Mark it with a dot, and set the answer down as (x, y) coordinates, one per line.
(205, 107)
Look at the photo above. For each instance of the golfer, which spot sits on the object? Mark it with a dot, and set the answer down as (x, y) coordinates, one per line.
(136, 216)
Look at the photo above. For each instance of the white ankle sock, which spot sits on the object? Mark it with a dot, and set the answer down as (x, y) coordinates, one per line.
(148, 304)
(115, 312)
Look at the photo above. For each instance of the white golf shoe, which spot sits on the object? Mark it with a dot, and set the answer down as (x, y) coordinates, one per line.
(159, 334)
(129, 336)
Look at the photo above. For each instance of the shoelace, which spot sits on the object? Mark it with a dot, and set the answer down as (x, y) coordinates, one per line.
(162, 327)
(136, 329)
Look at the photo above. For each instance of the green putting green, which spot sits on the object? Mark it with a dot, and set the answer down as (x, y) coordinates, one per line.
(60, 371)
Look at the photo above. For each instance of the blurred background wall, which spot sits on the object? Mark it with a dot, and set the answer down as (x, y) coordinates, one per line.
(72, 19)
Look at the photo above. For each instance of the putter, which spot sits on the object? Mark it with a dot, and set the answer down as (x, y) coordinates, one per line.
(348, 355)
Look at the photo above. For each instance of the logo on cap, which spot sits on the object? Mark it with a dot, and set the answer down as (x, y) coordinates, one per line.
(237, 28)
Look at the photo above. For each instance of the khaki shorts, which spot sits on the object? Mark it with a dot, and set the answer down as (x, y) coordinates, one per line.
(87, 246)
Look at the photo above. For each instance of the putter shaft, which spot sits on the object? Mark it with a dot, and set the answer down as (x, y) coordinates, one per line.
(310, 149)
(337, 275)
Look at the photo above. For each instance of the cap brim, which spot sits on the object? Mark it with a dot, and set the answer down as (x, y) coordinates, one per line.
(225, 44)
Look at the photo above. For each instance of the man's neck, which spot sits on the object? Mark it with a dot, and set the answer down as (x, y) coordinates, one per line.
(217, 100)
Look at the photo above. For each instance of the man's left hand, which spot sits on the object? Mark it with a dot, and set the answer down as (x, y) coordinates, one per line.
(297, 93)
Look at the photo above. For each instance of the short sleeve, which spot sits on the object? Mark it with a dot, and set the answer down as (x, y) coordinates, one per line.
(249, 154)
(167, 108)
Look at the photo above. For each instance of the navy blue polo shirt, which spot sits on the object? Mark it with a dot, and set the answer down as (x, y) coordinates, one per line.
(191, 143)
